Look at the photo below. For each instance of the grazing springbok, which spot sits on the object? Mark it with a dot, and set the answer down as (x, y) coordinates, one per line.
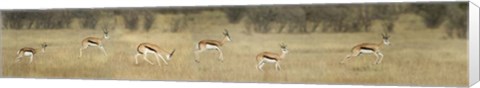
(28, 51)
(270, 57)
(145, 48)
(94, 41)
(369, 48)
(208, 44)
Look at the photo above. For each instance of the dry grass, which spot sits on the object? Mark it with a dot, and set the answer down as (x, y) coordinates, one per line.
(416, 57)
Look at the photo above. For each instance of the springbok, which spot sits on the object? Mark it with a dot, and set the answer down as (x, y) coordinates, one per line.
(208, 44)
(270, 57)
(28, 51)
(368, 48)
(95, 41)
(145, 48)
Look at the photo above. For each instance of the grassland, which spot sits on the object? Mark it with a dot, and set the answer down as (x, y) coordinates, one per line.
(416, 57)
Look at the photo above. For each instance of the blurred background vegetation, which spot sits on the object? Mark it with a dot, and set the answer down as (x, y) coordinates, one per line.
(334, 18)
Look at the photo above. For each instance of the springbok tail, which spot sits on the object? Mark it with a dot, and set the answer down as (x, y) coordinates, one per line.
(258, 58)
(197, 46)
(171, 54)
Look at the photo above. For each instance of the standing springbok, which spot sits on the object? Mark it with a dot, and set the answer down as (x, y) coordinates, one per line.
(270, 57)
(95, 41)
(208, 44)
(28, 51)
(145, 48)
(369, 48)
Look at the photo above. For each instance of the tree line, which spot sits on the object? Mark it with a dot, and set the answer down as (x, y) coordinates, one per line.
(257, 19)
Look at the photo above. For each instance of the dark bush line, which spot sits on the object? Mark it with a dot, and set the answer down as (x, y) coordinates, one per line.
(259, 19)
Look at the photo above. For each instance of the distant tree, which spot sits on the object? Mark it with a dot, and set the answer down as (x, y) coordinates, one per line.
(179, 23)
(389, 13)
(234, 14)
(432, 13)
(131, 19)
(293, 16)
(333, 17)
(149, 17)
(260, 19)
(457, 20)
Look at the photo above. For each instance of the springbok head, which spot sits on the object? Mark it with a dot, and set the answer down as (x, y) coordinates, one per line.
(386, 38)
(44, 45)
(105, 32)
(227, 35)
(284, 48)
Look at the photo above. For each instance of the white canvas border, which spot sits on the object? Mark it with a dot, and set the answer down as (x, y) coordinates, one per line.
(62, 83)
(473, 43)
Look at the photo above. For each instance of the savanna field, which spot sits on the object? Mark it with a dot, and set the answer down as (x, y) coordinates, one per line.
(416, 57)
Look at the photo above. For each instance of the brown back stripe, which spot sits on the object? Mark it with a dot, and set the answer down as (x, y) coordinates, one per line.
(272, 58)
(150, 48)
(90, 41)
(212, 43)
(366, 48)
(29, 51)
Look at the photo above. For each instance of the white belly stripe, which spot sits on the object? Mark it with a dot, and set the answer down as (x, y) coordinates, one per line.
(366, 51)
(149, 51)
(27, 53)
(91, 44)
(210, 46)
(266, 60)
